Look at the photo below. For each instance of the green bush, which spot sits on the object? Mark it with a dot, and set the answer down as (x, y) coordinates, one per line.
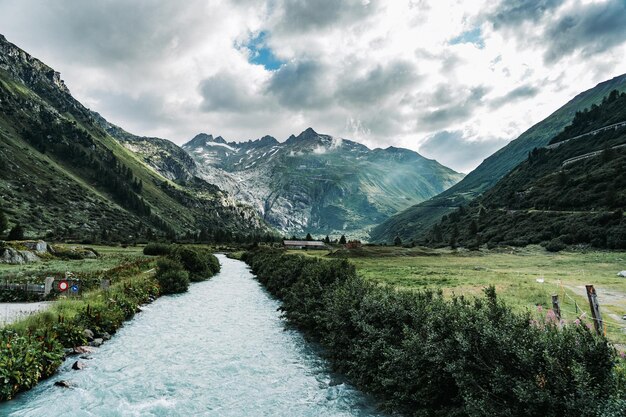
(32, 349)
(25, 359)
(555, 245)
(156, 249)
(199, 262)
(422, 354)
(171, 276)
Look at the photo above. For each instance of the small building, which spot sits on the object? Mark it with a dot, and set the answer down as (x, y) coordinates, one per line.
(304, 244)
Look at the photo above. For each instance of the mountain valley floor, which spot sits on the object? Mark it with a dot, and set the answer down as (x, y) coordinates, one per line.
(525, 278)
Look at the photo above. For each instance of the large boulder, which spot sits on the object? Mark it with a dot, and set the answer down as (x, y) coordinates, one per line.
(17, 257)
(38, 246)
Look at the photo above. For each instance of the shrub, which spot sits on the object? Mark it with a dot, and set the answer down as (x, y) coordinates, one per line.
(555, 245)
(172, 278)
(422, 354)
(200, 263)
(156, 249)
(16, 233)
(25, 359)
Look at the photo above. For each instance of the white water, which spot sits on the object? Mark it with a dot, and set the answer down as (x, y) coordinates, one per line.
(219, 350)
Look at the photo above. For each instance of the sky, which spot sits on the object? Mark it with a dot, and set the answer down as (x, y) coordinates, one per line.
(453, 80)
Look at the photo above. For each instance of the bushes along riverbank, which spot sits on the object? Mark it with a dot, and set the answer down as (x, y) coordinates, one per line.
(34, 348)
(424, 355)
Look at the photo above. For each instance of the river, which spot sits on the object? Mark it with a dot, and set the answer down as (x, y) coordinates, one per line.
(220, 349)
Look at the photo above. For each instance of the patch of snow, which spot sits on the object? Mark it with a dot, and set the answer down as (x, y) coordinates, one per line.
(223, 145)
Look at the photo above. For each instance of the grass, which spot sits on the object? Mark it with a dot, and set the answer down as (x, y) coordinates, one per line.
(110, 257)
(513, 272)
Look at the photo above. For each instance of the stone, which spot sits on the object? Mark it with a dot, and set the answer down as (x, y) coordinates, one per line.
(38, 246)
(17, 257)
(96, 342)
(79, 350)
(105, 336)
(63, 384)
(78, 365)
(621, 274)
(88, 334)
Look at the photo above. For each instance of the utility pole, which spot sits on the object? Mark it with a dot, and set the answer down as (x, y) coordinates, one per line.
(556, 307)
(595, 309)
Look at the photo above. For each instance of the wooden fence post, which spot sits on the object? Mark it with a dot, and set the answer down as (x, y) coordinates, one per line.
(595, 309)
(556, 307)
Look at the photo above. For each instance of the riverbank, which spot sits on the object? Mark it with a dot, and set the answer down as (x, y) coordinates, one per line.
(424, 354)
(219, 350)
(33, 348)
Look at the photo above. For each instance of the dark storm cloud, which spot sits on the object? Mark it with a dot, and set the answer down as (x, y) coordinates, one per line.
(591, 29)
(453, 113)
(451, 148)
(225, 92)
(515, 12)
(300, 85)
(305, 15)
(379, 83)
(519, 93)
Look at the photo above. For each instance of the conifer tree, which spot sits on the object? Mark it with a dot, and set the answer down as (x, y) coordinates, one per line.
(4, 223)
(17, 233)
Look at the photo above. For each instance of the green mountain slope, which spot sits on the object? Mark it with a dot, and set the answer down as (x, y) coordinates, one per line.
(64, 175)
(573, 193)
(411, 224)
(318, 183)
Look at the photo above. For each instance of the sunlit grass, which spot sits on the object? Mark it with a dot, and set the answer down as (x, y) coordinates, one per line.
(513, 272)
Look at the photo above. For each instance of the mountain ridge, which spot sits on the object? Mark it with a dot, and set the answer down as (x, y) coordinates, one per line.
(66, 176)
(414, 222)
(327, 183)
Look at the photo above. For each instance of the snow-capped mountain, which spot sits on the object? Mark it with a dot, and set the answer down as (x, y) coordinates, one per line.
(319, 183)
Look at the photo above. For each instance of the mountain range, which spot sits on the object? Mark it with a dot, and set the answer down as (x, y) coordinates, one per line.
(319, 183)
(70, 173)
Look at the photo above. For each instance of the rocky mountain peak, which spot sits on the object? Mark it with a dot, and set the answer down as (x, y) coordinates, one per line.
(268, 140)
(28, 69)
(200, 140)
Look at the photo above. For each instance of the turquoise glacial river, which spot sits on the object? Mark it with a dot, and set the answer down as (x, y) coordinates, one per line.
(221, 349)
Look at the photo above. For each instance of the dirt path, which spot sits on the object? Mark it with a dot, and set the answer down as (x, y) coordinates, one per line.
(10, 312)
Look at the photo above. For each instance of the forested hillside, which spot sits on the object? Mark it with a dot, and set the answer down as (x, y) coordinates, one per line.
(63, 176)
(414, 222)
(574, 193)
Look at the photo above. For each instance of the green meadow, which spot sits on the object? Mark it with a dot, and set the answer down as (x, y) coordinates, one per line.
(525, 278)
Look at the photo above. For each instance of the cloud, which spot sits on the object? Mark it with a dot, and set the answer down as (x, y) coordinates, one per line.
(519, 93)
(226, 92)
(380, 72)
(301, 85)
(516, 12)
(378, 83)
(452, 148)
(453, 113)
(591, 29)
(306, 15)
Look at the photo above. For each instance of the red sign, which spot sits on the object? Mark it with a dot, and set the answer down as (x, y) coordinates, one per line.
(63, 285)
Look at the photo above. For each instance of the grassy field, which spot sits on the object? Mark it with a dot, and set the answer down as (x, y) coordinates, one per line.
(515, 273)
(110, 257)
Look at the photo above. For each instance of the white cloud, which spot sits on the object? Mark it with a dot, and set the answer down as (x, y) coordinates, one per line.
(402, 73)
